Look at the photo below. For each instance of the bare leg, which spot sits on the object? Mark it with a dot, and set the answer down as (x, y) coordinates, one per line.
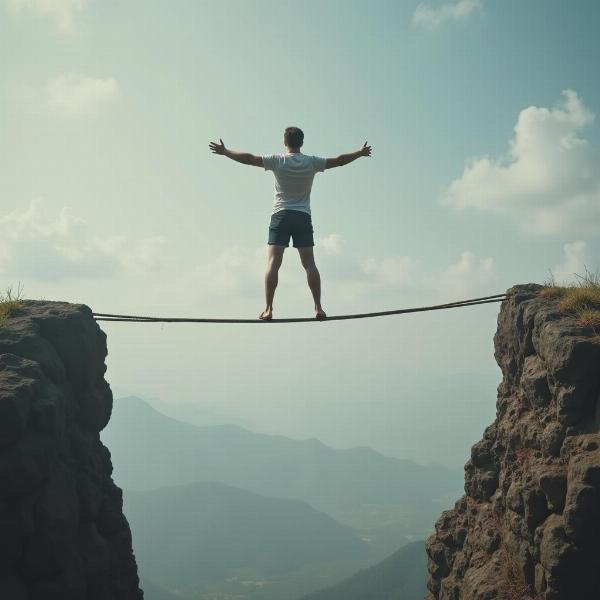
(274, 259)
(314, 279)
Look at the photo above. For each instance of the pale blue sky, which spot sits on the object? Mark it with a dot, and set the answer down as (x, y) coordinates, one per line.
(107, 108)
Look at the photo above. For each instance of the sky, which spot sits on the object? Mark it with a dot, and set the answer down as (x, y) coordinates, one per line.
(485, 173)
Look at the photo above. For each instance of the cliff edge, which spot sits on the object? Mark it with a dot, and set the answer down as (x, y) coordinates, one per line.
(63, 535)
(528, 526)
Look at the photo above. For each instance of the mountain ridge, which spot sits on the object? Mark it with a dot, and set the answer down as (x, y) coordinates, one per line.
(145, 444)
(133, 399)
(400, 576)
(188, 534)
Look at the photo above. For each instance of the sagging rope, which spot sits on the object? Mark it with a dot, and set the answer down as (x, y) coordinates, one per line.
(385, 313)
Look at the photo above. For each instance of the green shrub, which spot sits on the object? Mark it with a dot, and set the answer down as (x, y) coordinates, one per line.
(581, 299)
(9, 302)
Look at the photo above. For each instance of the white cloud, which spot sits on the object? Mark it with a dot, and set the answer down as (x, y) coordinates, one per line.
(62, 12)
(35, 246)
(466, 276)
(393, 270)
(76, 96)
(331, 244)
(550, 181)
(432, 18)
(229, 273)
(577, 260)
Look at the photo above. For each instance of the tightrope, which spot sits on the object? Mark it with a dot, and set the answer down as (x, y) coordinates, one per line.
(385, 313)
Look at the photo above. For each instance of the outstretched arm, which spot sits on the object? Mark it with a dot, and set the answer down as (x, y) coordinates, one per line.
(344, 159)
(242, 157)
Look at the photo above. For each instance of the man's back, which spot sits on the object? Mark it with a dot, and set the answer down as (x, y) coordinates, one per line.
(294, 173)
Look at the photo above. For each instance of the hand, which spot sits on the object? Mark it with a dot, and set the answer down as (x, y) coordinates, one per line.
(217, 148)
(365, 150)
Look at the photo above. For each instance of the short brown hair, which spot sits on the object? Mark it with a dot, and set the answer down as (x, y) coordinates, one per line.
(293, 137)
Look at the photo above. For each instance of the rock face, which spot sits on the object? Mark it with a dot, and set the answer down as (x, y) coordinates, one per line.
(528, 526)
(63, 535)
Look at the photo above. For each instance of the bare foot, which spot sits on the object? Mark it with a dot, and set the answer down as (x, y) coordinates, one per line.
(266, 315)
(320, 313)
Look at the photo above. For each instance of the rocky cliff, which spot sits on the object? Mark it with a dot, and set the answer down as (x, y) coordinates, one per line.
(63, 535)
(528, 526)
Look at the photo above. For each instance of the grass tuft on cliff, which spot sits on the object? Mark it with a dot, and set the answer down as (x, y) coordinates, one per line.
(581, 299)
(9, 302)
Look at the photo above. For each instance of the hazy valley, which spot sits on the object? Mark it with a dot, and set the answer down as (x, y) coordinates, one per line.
(219, 512)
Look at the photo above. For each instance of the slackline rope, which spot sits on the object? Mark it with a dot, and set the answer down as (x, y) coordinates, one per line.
(385, 313)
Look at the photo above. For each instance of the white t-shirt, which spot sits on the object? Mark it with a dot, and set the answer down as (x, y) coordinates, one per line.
(294, 174)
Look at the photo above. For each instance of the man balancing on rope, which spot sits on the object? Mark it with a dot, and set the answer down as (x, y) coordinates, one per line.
(294, 173)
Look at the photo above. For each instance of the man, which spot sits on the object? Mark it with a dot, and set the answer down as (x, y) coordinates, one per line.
(294, 173)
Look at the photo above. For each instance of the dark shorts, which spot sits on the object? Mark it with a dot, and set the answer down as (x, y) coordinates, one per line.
(294, 223)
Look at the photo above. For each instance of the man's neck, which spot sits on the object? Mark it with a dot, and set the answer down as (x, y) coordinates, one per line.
(293, 150)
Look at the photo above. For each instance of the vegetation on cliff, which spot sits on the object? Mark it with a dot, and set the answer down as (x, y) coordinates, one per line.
(581, 299)
(9, 302)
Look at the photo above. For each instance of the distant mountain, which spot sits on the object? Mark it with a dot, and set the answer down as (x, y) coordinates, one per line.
(401, 576)
(187, 535)
(197, 414)
(150, 450)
